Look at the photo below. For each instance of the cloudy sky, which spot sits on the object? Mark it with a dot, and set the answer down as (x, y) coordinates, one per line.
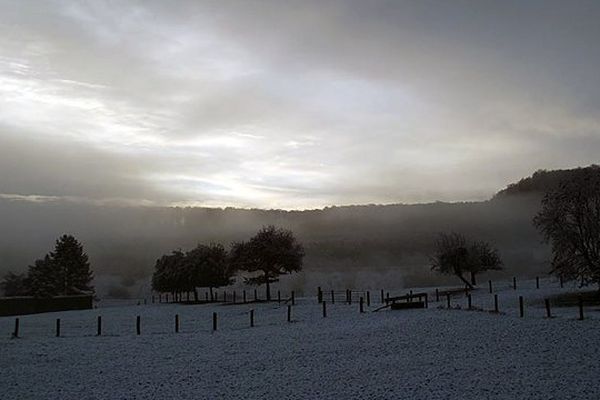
(292, 104)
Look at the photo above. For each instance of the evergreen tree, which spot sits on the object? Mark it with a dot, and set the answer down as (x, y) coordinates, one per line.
(16, 285)
(43, 278)
(71, 265)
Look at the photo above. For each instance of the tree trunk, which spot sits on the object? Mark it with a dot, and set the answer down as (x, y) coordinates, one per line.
(473, 282)
(465, 281)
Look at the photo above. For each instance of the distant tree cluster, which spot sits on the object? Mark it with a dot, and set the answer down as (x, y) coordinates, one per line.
(454, 256)
(271, 253)
(65, 271)
(570, 221)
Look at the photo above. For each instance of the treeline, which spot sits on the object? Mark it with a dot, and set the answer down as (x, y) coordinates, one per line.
(65, 271)
(272, 252)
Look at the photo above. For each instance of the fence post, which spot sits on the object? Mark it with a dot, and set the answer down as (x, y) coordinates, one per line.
(244, 295)
(382, 296)
(490, 285)
(496, 310)
(99, 326)
(255, 295)
(289, 313)
(167, 298)
(469, 301)
(332, 297)
(293, 298)
(437, 294)
(349, 296)
(251, 318)
(16, 331)
(448, 299)
(410, 299)
(521, 307)
(580, 308)
(214, 321)
(224, 296)
(160, 298)
(561, 281)
(426, 300)
(176, 323)
(368, 299)
(138, 325)
(234, 297)
(387, 297)
(514, 282)
(279, 297)
(361, 306)
(537, 282)
(324, 309)
(57, 327)
(548, 313)
(319, 295)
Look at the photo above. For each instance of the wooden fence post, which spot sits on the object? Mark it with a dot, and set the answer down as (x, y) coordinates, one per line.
(548, 313)
(57, 327)
(332, 297)
(514, 282)
(448, 300)
(255, 295)
(561, 281)
(293, 298)
(361, 307)
(437, 294)
(289, 313)
(319, 295)
(16, 331)
(160, 298)
(138, 325)
(176, 323)
(324, 309)
(496, 309)
(279, 297)
(99, 326)
(214, 321)
(349, 296)
(167, 298)
(387, 297)
(368, 299)
(521, 307)
(490, 285)
(251, 318)
(537, 282)
(382, 296)
(580, 308)
(469, 301)
(244, 295)
(224, 296)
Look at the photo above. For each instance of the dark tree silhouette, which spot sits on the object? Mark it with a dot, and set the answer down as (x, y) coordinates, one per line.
(270, 253)
(16, 285)
(65, 271)
(208, 266)
(167, 272)
(72, 267)
(453, 256)
(570, 221)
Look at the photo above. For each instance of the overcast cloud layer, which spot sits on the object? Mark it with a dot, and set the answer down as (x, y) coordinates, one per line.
(293, 104)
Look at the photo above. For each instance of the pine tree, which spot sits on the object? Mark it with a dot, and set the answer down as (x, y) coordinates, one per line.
(71, 267)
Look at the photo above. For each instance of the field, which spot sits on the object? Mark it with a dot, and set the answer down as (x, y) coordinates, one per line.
(434, 353)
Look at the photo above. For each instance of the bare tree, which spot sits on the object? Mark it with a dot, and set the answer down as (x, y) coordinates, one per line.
(570, 222)
(453, 256)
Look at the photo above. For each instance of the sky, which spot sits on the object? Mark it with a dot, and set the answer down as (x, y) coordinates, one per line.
(292, 104)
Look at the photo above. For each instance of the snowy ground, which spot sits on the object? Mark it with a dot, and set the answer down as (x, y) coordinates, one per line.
(417, 354)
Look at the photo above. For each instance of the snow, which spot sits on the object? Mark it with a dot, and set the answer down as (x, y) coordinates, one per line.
(413, 354)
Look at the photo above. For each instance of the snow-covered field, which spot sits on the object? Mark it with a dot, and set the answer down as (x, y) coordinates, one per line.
(417, 354)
